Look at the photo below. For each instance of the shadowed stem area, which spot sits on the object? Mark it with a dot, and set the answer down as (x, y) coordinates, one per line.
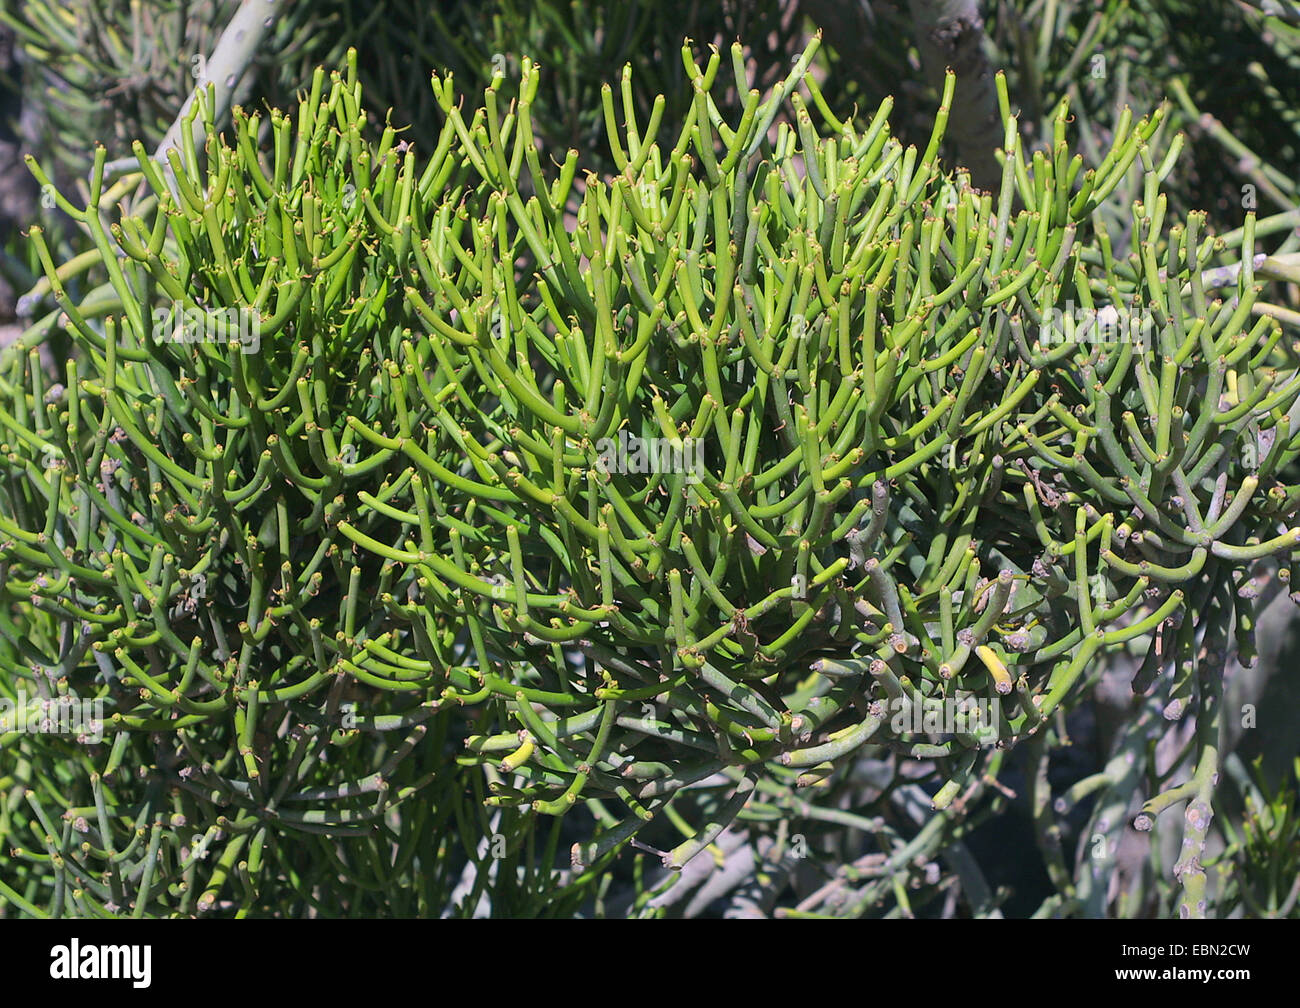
(950, 34)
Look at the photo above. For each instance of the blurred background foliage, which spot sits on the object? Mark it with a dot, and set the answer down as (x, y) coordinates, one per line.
(76, 73)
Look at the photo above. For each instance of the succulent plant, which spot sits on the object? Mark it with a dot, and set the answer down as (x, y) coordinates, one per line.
(378, 497)
(1261, 869)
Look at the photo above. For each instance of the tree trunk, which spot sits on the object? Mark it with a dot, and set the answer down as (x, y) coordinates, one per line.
(950, 33)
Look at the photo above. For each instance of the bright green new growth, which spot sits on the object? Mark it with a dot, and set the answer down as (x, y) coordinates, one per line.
(890, 471)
